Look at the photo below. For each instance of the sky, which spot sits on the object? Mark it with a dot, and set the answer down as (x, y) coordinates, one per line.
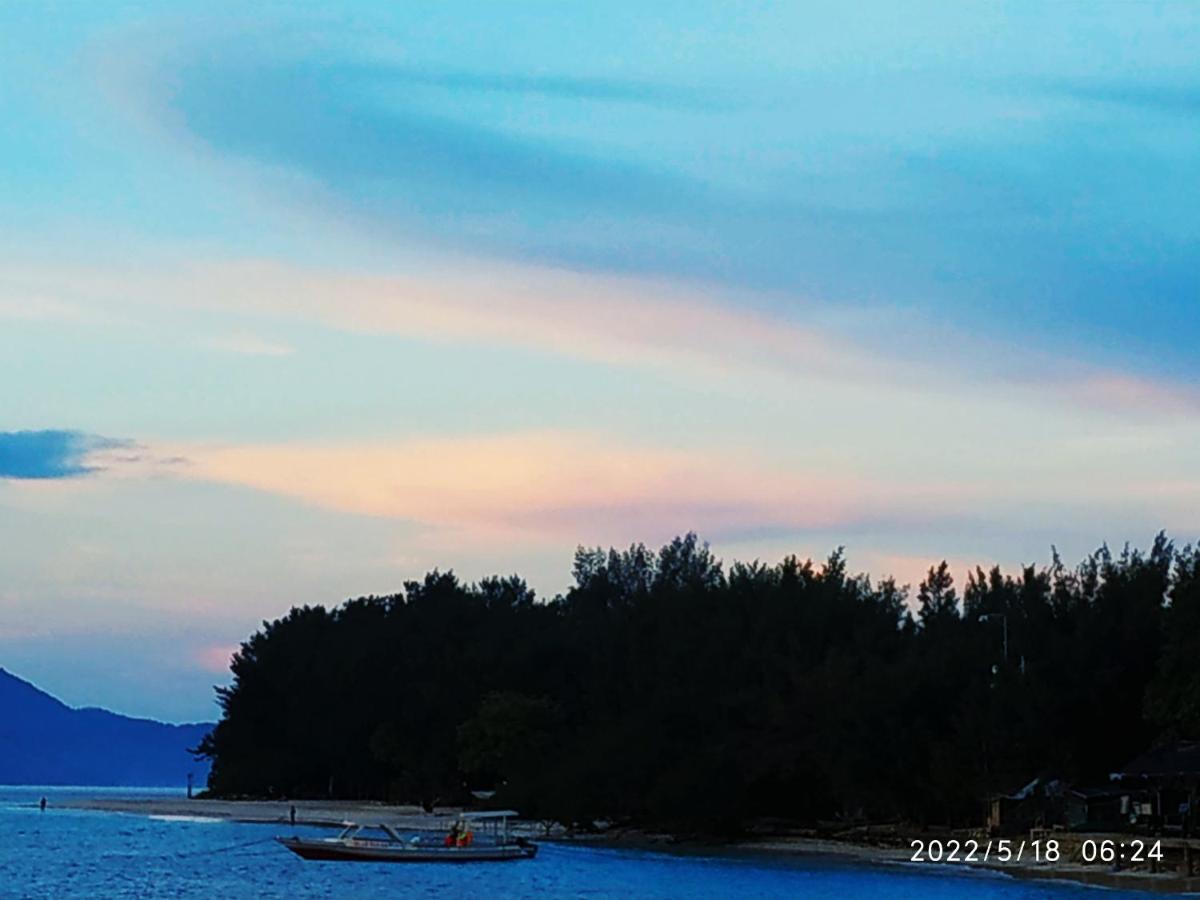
(298, 302)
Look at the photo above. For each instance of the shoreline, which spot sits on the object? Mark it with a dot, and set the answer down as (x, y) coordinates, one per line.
(334, 814)
(876, 854)
(318, 813)
(1072, 872)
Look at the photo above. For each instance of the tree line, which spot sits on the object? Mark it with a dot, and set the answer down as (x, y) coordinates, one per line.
(665, 691)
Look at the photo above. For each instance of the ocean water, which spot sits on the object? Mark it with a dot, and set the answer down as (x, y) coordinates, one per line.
(65, 853)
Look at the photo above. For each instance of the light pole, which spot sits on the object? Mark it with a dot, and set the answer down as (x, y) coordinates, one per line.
(987, 617)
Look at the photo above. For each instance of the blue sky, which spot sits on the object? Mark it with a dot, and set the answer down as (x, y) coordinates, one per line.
(295, 304)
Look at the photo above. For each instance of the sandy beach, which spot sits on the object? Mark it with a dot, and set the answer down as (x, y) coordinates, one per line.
(326, 813)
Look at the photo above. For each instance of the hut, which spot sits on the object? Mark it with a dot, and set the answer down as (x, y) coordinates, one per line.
(1034, 804)
(1107, 808)
(1169, 778)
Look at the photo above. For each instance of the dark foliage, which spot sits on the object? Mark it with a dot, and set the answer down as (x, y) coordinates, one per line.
(664, 691)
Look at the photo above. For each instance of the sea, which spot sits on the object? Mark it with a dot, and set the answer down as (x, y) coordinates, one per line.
(67, 853)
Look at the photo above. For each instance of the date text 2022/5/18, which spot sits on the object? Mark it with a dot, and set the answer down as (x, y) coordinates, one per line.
(1005, 850)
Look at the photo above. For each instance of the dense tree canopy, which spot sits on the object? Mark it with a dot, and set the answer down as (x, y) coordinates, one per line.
(663, 690)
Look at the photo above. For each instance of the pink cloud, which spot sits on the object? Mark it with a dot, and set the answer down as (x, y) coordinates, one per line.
(1124, 392)
(625, 321)
(911, 569)
(621, 320)
(215, 658)
(544, 484)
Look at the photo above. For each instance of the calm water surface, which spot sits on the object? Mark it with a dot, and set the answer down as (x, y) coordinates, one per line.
(70, 853)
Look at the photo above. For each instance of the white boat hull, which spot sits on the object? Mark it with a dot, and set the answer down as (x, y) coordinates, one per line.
(335, 849)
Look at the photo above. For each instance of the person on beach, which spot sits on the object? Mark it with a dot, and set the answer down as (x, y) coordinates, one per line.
(292, 815)
(42, 804)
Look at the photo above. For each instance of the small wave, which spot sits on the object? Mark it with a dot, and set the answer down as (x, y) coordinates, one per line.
(170, 818)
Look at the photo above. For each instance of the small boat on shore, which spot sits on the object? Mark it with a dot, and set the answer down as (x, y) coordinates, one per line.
(494, 844)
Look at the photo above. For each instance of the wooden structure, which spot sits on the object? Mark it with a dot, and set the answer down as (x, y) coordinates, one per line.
(1169, 778)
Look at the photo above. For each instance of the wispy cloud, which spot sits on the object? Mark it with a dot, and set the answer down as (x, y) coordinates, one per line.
(794, 199)
(531, 488)
(40, 309)
(405, 166)
(1174, 99)
(39, 455)
(248, 344)
(1125, 392)
(541, 484)
(602, 90)
(646, 323)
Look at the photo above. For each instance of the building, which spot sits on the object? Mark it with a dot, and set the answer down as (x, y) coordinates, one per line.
(1108, 808)
(1032, 805)
(1168, 778)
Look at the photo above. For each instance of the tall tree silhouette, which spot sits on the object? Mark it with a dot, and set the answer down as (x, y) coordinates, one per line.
(667, 690)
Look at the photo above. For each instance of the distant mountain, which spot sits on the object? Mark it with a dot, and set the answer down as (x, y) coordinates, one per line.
(44, 741)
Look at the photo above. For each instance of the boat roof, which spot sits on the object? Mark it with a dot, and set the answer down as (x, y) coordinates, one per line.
(492, 814)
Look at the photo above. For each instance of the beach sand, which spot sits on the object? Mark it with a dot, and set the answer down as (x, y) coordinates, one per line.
(328, 813)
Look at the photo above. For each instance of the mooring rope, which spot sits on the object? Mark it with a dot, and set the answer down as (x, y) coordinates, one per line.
(205, 852)
(229, 849)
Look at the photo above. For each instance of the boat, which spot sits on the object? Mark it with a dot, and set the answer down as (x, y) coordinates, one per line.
(492, 844)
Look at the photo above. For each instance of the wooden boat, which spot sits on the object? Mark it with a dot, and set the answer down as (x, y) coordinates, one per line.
(351, 846)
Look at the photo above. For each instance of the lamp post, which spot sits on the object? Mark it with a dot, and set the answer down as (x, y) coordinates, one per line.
(987, 617)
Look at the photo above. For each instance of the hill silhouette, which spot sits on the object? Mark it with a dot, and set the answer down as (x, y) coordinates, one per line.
(44, 741)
